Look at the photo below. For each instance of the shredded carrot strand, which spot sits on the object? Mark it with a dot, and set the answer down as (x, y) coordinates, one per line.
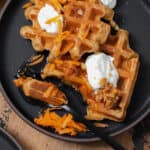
(63, 35)
(60, 26)
(62, 124)
(57, 5)
(54, 19)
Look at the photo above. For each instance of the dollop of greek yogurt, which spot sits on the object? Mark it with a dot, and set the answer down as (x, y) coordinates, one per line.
(98, 67)
(47, 12)
(110, 3)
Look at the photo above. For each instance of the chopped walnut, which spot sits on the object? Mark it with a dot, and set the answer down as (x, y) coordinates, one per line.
(109, 95)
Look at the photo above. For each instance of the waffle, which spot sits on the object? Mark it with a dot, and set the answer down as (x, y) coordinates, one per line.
(127, 64)
(41, 40)
(40, 90)
(109, 103)
(83, 20)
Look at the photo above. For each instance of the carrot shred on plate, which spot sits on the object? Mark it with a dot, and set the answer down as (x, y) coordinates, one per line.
(62, 124)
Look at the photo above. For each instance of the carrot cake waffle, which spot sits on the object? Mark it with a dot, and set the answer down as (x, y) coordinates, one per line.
(84, 53)
(82, 30)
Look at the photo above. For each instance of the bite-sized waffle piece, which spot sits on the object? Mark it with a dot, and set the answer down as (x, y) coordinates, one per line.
(109, 102)
(41, 90)
(83, 20)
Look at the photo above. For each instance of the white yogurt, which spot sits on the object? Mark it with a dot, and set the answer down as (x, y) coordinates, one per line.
(110, 3)
(100, 66)
(46, 13)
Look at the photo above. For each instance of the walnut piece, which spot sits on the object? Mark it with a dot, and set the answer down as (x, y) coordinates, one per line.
(109, 95)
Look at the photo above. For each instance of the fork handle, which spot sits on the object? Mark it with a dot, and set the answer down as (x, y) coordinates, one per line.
(100, 133)
(106, 138)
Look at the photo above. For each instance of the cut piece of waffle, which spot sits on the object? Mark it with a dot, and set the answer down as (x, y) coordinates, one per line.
(83, 20)
(109, 103)
(40, 90)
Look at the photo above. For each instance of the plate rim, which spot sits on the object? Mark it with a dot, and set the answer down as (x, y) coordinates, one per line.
(55, 135)
(11, 138)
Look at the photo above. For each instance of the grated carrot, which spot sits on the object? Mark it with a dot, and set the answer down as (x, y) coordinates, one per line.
(60, 26)
(85, 34)
(62, 124)
(57, 5)
(54, 19)
(63, 35)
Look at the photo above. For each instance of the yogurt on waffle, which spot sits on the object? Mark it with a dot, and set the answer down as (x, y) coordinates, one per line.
(110, 3)
(100, 66)
(46, 13)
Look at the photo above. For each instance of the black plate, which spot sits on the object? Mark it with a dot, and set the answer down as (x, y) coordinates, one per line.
(133, 15)
(7, 142)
